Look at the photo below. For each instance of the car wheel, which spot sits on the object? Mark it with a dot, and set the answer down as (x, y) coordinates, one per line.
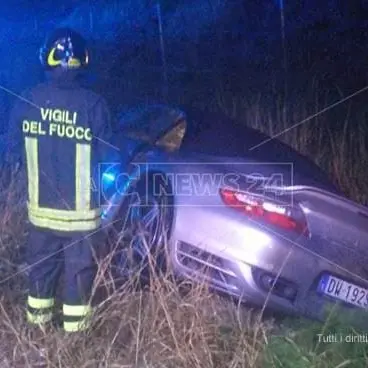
(143, 231)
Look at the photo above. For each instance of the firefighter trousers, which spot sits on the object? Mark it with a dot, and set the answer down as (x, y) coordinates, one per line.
(50, 256)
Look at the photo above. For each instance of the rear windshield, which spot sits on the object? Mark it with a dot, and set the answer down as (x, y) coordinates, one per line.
(221, 136)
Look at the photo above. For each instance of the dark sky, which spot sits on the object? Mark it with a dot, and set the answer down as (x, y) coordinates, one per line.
(333, 33)
(19, 10)
(22, 9)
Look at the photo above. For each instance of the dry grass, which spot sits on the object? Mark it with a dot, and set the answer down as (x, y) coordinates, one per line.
(158, 327)
(335, 142)
(162, 326)
(165, 324)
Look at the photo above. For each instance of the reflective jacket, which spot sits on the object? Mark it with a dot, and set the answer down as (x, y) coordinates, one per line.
(63, 129)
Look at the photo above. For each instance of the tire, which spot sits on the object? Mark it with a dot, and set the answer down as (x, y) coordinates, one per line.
(143, 230)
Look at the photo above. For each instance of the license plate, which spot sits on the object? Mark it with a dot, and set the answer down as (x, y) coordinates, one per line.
(345, 291)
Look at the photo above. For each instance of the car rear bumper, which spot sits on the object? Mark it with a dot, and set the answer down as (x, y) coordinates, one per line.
(242, 281)
(232, 262)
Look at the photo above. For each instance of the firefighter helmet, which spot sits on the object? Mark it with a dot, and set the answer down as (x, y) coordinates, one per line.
(65, 49)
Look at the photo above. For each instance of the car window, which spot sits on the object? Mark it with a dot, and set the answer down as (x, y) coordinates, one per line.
(137, 134)
(217, 135)
(147, 123)
(172, 140)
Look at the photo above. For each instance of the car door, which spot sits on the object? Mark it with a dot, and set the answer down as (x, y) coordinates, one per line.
(141, 130)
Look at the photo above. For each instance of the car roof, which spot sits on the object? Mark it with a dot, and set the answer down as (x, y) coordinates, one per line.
(214, 133)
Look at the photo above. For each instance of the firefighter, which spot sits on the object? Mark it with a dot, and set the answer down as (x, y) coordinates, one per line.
(62, 128)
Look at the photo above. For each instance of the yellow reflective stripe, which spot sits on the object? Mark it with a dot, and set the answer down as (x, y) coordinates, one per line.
(64, 225)
(38, 318)
(75, 326)
(80, 219)
(80, 311)
(31, 145)
(64, 215)
(83, 177)
(74, 63)
(76, 310)
(51, 58)
(40, 303)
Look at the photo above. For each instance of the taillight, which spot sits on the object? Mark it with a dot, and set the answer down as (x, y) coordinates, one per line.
(283, 216)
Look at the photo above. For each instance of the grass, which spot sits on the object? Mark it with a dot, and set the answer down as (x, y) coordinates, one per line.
(336, 143)
(162, 326)
(156, 327)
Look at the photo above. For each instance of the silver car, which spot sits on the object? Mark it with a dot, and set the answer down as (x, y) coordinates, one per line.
(225, 204)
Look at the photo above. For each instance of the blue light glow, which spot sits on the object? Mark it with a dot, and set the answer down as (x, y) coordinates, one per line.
(109, 177)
